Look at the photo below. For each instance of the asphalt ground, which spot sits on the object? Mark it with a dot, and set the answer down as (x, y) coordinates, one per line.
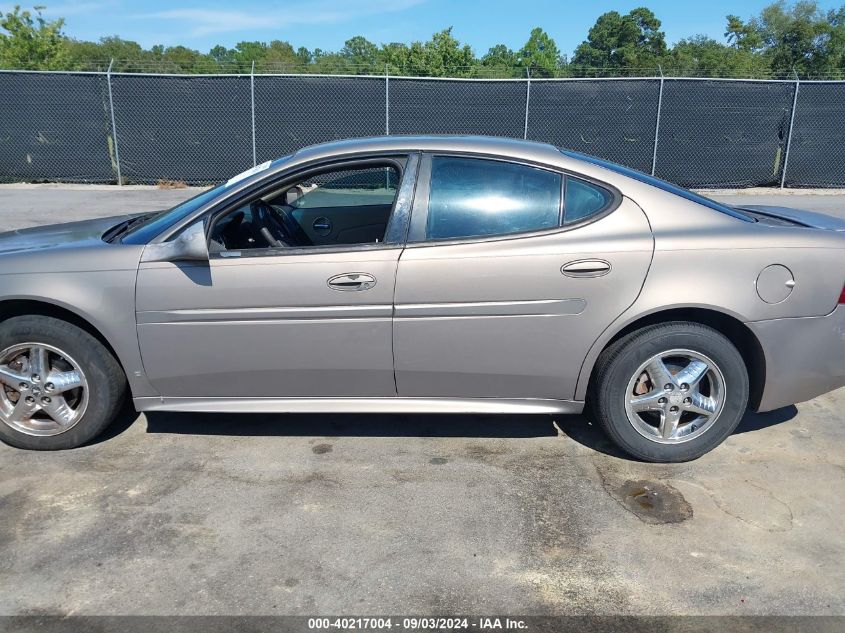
(375, 514)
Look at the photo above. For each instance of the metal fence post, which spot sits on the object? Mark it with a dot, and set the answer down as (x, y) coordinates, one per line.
(657, 123)
(252, 101)
(789, 131)
(113, 126)
(386, 100)
(527, 101)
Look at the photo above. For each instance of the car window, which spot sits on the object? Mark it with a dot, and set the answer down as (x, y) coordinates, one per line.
(583, 199)
(345, 189)
(344, 206)
(154, 224)
(471, 197)
(661, 184)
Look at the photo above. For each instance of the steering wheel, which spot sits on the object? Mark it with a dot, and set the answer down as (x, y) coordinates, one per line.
(277, 226)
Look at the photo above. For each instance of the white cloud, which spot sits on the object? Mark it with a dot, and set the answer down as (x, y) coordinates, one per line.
(74, 8)
(207, 21)
(60, 10)
(199, 22)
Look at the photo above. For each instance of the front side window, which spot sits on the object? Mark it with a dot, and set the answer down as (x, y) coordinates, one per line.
(331, 208)
(471, 197)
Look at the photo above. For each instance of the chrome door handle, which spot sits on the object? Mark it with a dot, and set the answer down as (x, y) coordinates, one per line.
(352, 281)
(586, 268)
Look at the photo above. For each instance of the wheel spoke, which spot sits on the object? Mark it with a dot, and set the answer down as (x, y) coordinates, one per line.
(658, 373)
(669, 423)
(11, 378)
(692, 373)
(63, 381)
(647, 402)
(39, 363)
(702, 404)
(23, 410)
(59, 410)
(34, 379)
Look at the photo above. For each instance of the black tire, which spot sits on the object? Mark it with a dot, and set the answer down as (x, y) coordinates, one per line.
(618, 363)
(106, 380)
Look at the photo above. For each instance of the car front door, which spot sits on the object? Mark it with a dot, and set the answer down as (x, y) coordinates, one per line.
(510, 274)
(277, 314)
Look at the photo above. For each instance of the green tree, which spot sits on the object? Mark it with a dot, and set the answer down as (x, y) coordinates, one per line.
(499, 61)
(704, 56)
(181, 59)
(441, 56)
(540, 54)
(361, 55)
(245, 53)
(128, 56)
(281, 57)
(222, 55)
(31, 42)
(326, 62)
(800, 36)
(616, 41)
(395, 57)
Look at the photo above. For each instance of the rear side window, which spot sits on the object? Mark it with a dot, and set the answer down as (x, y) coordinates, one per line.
(583, 199)
(471, 197)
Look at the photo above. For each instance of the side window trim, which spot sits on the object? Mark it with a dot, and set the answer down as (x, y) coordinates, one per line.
(402, 162)
(400, 215)
(419, 211)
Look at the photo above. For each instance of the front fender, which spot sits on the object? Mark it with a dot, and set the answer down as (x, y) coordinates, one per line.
(103, 298)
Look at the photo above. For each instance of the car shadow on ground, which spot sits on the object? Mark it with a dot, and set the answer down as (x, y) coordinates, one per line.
(587, 433)
(576, 427)
(351, 424)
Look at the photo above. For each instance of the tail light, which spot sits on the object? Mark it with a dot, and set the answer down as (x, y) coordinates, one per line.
(842, 296)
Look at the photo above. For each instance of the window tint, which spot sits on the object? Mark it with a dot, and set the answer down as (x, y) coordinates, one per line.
(344, 189)
(471, 197)
(583, 199)
(661, 184)
(348, 206)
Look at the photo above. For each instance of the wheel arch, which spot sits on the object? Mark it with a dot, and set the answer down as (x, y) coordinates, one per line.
(10, 308)
(727, 324)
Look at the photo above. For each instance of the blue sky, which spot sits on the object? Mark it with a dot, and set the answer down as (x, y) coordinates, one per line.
(327, 24)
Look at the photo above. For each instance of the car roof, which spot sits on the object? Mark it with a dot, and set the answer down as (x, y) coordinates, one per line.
(490, 145)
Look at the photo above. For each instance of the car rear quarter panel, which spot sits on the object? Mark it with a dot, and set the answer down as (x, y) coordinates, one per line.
(707, 259)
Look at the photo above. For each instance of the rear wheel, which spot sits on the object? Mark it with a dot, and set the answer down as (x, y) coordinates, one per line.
(59, 386)
(670, 392)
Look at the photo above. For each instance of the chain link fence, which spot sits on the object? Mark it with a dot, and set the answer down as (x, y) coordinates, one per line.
(200, 129)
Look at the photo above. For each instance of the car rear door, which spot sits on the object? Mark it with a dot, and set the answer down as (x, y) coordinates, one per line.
(502, 289)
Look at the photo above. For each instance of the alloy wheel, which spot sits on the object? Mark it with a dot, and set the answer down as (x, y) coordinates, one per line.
(43, 391)
(675, 396)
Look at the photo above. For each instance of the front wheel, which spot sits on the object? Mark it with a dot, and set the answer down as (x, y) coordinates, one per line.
(670, 392)
(59, 386)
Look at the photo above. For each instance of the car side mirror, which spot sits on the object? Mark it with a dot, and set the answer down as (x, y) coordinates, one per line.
(191, 245)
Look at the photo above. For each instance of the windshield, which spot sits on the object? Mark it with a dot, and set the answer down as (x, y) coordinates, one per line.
(660, 184)
(153, 224)
(145, 231)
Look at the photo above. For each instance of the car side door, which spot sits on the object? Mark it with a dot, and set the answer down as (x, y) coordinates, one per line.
(266, 320)
(511, 272)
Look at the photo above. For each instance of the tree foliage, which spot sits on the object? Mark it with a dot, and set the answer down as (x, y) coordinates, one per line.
(800, 37)
(781, 38)
(30, 42)
(633, 40)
